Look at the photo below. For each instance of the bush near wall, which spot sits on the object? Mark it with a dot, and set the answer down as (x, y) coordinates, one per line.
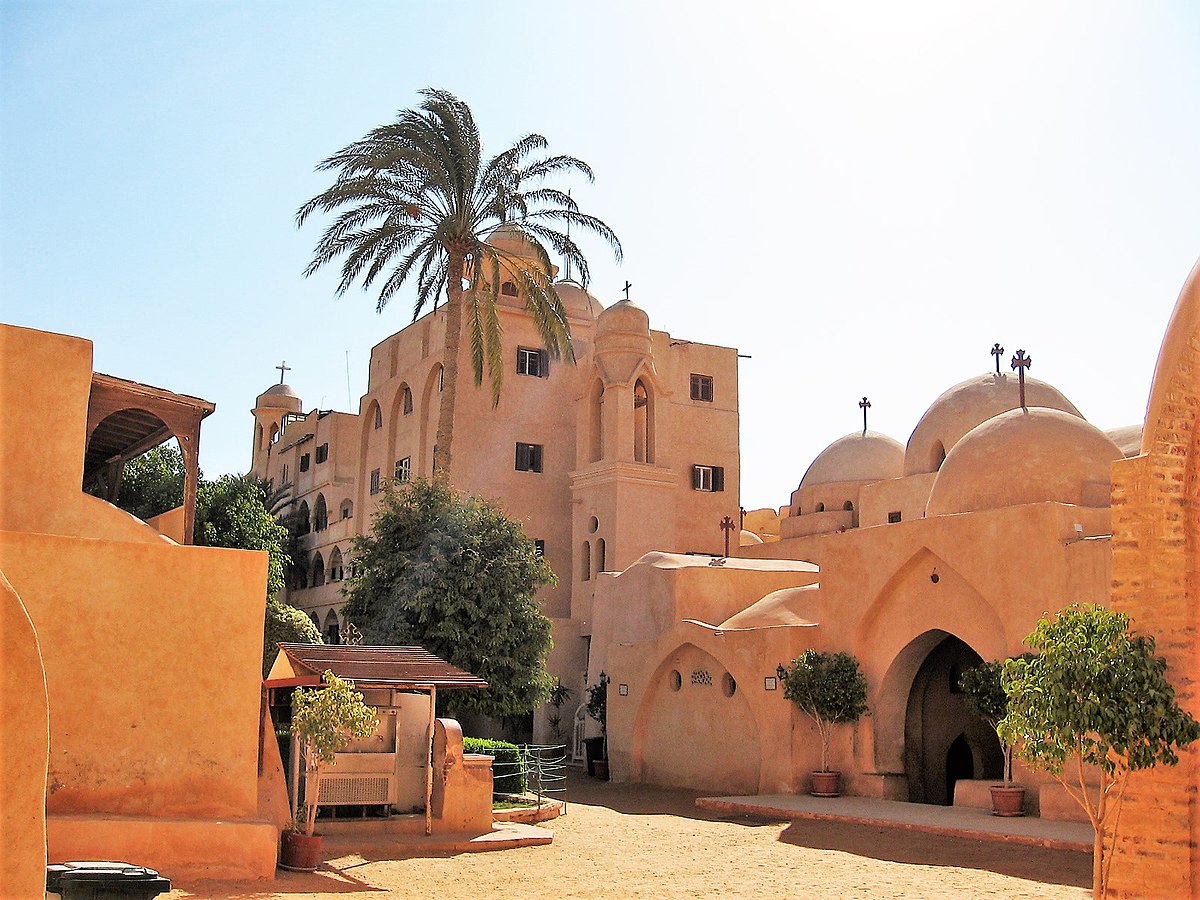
(508, 771)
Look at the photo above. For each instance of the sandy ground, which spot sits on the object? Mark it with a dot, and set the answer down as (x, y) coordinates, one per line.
(625, 841)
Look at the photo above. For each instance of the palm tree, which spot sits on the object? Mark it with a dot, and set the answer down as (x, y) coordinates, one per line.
(416, 199)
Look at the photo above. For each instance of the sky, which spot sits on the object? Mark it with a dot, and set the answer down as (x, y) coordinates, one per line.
(862, 198)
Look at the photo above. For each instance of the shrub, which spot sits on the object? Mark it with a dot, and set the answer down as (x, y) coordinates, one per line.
(830, 689)
(508, 771)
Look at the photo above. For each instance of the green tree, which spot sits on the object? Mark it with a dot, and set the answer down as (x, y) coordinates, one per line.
(458, 577)
(417, 200)
(285, 624)
(984, 695)
(1094, 695)
(830, 689)
(230, 512)
(151, 484)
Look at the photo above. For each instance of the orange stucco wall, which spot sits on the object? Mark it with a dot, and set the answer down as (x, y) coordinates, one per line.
(151, 650)
(24, 741)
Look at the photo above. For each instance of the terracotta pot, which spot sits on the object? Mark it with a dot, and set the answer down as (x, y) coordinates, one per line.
(301, 852)
(601, 767)
(826, 784)
(1008, 800)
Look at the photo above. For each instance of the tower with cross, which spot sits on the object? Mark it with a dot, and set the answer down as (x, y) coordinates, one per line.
(864, 404)
(997, 351)
(1020, 363)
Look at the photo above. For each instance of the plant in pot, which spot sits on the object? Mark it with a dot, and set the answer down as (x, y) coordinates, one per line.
(984, 695)
(597, 708)
(831, 689)
(559, 694)
(325, 721)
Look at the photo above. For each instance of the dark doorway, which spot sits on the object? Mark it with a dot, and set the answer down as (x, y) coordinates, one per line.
(960, 763)
(943, 741)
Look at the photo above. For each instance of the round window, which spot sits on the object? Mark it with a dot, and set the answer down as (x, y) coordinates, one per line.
(593, 524)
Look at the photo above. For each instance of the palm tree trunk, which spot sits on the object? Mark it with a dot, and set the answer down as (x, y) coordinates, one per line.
(442, 451)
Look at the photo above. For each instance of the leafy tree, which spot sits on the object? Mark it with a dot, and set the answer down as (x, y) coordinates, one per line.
(417, 200)
(1094, 695)
(230, 513)
(286, 624)
(152, 483)
(326, 720)
(830, 689)
(458, 577)
(984, 695)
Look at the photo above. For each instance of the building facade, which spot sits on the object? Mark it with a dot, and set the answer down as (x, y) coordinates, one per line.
(631, 448)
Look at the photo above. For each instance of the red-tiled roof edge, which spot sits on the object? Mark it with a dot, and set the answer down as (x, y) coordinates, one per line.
(382, 666)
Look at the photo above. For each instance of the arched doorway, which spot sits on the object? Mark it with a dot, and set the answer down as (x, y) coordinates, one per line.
(943, 741)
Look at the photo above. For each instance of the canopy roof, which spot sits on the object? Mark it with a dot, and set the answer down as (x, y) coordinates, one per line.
(367, 667)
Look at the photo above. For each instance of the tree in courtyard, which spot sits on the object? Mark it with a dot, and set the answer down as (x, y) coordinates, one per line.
(151, 484)
(1093, 695)
(830, 689)
(416, 200)
(458, 577)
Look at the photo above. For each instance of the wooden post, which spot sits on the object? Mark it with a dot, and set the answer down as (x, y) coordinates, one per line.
(429, 764)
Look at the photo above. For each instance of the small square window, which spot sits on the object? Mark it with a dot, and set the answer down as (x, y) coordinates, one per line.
(708, 478)
(893, 517)
(531, 362)
(539, 547)
(403, 469)
(702, 387)
(322, 453)
(529, 457)
(304, 463)
(374, 481)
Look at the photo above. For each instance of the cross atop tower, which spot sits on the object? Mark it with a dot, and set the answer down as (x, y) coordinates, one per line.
(626, 289)
(997, 351)
(283, 368)
(727, 526)
(864, 404)
(1020, 363)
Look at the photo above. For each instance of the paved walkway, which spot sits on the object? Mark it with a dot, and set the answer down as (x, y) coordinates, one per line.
(958, 821)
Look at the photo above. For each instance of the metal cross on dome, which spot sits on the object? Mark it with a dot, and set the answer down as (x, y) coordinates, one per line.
(997, 351)
(727, 526)
(628, 285)
(350, 635)
(1020, 363)
(864, 404)
(283, 367)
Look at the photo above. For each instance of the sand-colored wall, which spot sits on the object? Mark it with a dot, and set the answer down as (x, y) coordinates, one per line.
(1156, 570)
(24, 745)
(151, 650)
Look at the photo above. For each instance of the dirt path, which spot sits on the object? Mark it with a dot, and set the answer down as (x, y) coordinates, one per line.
(625, 841)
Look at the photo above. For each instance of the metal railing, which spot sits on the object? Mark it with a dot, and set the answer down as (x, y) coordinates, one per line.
(544, 767)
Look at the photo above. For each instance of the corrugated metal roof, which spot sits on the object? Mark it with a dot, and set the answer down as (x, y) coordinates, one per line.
(394, 667)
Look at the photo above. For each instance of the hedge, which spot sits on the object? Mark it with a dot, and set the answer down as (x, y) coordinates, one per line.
(508, 771)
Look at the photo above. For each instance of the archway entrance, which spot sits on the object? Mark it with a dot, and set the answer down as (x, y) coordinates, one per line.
(943, 741)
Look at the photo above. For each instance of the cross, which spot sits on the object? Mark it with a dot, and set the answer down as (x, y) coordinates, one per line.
(283, 367)
(727, 526)
(627, 287)
(350, 635)
(864, 404)
(1020, 363)
(997, 351)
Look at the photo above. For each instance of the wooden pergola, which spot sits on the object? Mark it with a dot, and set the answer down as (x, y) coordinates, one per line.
(125, 419)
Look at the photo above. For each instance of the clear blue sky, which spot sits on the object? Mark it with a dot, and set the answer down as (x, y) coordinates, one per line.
(863, 198)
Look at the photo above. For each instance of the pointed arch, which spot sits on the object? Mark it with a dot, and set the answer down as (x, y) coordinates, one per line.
(430, 409)
(336, 568)
(595, 421)
(318, 570)
(303, 520)
(643, 422)
(320, 514)
(332, 631)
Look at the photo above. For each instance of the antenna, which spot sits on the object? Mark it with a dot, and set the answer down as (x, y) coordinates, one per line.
(567, 261)
(349, 399)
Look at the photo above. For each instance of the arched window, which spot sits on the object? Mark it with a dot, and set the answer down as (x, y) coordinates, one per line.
(508, 289)
(820, 507)
(320, 514)
(937, 456)
(586, 562)
(596, 421)
(258, 436)
(378, 416)
(643, 423)
(600, 555)
(332, 631)
(407, 400)
(441, 375)
(848, 506)
(347, 510)
(303, 524)
(335, 565)
(315, 620)
(318, 570)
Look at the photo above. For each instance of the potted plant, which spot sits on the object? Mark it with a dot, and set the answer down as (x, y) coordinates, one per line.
(984, 695)
(559, 694)
(831, 690)
(597, 708)
(324, 721)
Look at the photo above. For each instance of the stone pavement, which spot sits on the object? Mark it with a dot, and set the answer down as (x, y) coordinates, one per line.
(958, 821)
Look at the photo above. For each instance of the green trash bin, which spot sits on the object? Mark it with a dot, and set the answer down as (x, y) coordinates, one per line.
(103, 881)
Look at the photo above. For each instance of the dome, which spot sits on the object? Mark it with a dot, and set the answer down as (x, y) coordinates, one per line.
(970, 403)
(279, 396)
(1026, 456)
(577, 301)
(1128, 438)
(788, 606)
(624, 317)
(512, 239)
(748, 539)
(856, 457)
